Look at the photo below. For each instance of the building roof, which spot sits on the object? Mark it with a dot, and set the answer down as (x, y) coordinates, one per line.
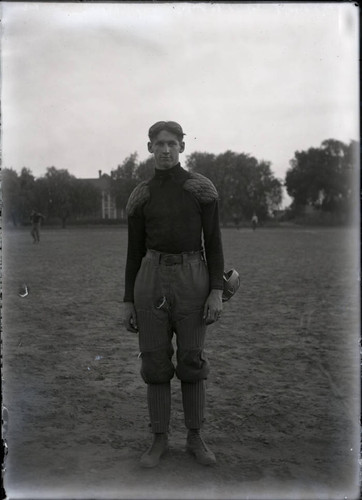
(102, 182)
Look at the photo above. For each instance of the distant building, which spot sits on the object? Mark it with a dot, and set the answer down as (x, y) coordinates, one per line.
(108, 208)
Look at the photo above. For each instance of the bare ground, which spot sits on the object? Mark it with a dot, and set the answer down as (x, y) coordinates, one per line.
(283, 394)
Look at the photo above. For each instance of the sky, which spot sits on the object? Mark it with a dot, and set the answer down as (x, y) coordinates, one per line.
(82, 83)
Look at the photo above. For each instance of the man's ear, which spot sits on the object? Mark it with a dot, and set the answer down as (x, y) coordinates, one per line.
(182, 147)
(149, 147)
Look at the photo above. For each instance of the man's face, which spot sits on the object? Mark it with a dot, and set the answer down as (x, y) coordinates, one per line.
(166, 148)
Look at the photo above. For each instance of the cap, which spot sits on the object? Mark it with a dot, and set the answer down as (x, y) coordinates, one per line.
(173, 127)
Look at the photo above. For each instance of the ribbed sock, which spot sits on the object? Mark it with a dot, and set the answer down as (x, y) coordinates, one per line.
(159, 406)
(193, 399)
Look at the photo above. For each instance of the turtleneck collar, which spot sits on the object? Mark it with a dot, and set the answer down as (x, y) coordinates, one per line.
(170, 172)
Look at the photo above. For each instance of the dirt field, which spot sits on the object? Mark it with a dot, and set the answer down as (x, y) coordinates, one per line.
(283, 394)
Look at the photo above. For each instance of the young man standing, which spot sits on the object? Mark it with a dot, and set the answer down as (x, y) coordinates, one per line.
(173, 225)
(36, 218)
(254, 221)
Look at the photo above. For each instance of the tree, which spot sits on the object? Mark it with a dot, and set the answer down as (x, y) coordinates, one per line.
(322, 177)
(27, 195)
(42, 195)
(11, 195)
(59, 184)
(145, 169)
(124, 180)
(244, 184)
(85, 198)
(19, 195)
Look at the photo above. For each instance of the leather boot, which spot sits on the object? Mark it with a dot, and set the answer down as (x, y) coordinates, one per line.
(151, 457)
(197, 447)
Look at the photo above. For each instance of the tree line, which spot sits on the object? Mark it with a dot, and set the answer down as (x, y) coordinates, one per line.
(325, 178)
(322, 178)
(57, 194)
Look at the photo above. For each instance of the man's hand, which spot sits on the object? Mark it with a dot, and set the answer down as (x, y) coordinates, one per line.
(130, 318)
(213, 307)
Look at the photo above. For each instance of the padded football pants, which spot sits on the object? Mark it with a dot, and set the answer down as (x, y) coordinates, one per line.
(170, 294)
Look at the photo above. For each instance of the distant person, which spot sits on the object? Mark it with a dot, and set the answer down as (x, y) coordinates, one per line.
(170, 289)
(36, 219)
(236, 220)
(254, 221)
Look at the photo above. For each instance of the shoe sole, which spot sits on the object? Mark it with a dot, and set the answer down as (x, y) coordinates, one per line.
(151, 466)
(201, 462)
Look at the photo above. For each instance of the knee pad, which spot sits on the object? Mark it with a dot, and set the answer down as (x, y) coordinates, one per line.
(192, 365)
(157, 367)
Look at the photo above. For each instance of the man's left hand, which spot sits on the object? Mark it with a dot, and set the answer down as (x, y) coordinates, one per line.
(213, 307)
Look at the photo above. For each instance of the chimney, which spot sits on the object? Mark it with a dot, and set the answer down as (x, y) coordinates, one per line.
(100, 173)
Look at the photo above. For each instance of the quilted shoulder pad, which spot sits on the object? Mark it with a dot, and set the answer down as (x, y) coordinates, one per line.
(139, 195)
(201, 187)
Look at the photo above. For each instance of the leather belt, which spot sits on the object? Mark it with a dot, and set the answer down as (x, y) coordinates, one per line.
(172, 259)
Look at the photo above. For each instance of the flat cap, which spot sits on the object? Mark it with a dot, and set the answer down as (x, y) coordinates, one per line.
(173, 127)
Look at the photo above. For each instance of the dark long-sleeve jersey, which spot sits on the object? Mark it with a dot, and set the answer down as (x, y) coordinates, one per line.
(175, 212)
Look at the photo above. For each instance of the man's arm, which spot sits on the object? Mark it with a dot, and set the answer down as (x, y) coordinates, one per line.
(213, 306)
(206, 194)
(215, 260)
(130, 317)
(213, 244)
(136, 237)
(135, 252)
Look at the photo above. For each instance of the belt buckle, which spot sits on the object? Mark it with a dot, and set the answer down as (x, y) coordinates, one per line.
(166, 260)
(170, 260)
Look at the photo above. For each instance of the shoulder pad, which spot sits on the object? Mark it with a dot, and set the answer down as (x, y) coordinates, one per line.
(201, 187)
(139, 195)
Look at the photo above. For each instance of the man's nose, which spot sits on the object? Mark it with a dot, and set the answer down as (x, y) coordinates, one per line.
(166, 148)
